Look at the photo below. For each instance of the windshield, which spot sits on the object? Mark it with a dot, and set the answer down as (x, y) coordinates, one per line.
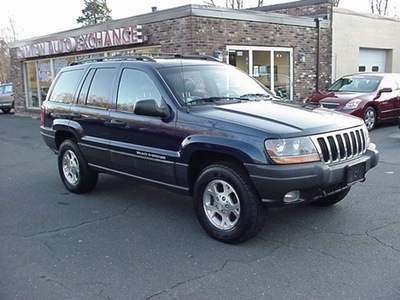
(358, 83)
(202, 84)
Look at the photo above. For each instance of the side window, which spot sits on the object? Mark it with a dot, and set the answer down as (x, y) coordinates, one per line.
(390, 82)
(8, 89)
(397, 78)
(64, 88)
(100, 90)
(85, 87)
(135, 85)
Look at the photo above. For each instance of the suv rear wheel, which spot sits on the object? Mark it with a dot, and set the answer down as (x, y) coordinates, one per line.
(74, 170)
(226, 203)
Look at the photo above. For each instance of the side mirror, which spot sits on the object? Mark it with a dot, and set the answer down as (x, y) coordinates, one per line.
(385, 90)
(149, 107)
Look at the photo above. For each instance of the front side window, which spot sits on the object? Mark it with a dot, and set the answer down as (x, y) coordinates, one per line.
(391, 82)
(135, 85)
(8, 89)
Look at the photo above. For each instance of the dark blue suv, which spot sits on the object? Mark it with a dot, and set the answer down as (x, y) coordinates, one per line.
(205, 129)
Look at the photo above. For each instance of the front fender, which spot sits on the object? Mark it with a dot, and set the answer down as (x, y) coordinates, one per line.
(246, 150)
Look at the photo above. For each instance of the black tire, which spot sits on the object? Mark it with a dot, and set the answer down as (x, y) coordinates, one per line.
(370, 118)
(74, 171)
(332, 199)
(6, 110)
(226, 203)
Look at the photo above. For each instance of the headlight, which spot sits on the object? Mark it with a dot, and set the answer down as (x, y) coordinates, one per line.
(292, 151)
(353, 104)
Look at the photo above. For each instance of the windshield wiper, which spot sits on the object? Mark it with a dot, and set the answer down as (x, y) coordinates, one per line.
(213, 99)
(256, 95)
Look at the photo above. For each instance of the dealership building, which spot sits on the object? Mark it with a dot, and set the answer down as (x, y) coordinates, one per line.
(293, 48)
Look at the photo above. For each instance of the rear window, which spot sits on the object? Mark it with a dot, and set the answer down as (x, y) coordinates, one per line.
(65, 86)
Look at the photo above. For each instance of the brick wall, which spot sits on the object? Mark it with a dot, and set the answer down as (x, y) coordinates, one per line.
(306, 10)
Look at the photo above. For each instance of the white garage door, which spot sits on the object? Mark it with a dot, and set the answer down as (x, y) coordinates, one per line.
(372, 60)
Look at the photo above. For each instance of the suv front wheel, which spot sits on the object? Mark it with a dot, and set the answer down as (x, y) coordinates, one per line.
(74, 171)
(226, 203)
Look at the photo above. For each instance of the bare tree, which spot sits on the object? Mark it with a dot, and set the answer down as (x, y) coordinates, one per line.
(379, 6)
(8, 34)
(336, 3)
(210, 3)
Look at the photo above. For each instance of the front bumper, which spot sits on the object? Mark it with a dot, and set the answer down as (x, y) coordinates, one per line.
(310, 181)
(7, 104)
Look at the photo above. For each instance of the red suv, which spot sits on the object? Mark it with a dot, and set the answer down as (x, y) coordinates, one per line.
(375, 97)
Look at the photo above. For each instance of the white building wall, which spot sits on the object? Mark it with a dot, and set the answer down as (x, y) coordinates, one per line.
(353, 30)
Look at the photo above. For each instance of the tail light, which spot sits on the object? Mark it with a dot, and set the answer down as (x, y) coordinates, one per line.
(42, 114)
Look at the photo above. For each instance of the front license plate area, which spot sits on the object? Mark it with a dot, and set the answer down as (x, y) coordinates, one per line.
(355, 172)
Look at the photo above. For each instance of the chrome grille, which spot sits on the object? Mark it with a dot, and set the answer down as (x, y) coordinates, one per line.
(329, 105)
(341, 145)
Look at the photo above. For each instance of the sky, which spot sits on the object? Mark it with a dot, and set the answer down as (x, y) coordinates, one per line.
(34, 18)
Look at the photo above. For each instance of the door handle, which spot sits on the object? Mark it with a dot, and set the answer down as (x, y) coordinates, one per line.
(117, 123)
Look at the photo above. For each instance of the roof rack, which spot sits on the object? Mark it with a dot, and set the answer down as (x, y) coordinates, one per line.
(185, 56)
(115, 57)
(149, 57)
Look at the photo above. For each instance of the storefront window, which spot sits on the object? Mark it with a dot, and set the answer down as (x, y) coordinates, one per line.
(45, 79)
(32, 95)
(60, 63)
(282, 74)
(240, 59)
(262, 67)
(271, 66)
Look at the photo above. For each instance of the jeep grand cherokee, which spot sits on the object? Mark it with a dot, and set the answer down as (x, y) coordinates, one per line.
(205, 129)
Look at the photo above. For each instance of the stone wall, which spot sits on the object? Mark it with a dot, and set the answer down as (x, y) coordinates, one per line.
(18, 82)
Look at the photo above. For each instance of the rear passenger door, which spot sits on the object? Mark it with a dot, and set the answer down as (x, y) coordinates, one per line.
(91, 114)
(141, 146)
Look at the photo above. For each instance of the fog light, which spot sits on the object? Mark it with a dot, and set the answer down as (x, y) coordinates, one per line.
(291, 197)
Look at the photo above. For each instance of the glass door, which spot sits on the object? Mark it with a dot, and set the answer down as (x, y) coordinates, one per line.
(271, 66)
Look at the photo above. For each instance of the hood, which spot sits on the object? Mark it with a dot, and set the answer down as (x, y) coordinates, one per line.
(280, 118)
(338, 97)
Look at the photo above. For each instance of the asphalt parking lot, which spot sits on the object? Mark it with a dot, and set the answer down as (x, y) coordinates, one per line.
(127, 240)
